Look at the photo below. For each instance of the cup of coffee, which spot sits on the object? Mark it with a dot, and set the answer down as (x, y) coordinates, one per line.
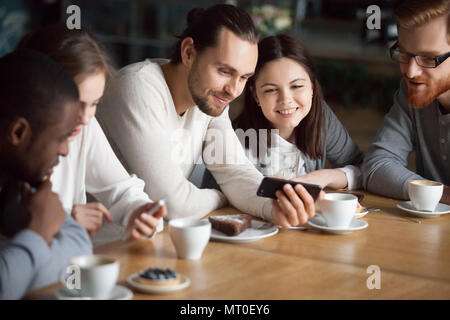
(189, 236)
(338, 209)
(98, 275)
(425, 194)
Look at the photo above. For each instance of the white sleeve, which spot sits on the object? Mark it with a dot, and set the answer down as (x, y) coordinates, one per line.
(136, 122)
(238, 178)
(108, 181)
(354, 179)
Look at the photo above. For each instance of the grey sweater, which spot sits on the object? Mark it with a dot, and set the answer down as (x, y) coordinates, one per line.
(27, 262)
(339, 149)
(405, 129)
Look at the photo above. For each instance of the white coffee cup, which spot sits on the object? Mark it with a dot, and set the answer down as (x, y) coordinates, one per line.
(98, 275)
(189, 236)
(338, 209)
(424, 194)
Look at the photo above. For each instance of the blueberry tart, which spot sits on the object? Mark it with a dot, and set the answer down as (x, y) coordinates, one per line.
(158, 277)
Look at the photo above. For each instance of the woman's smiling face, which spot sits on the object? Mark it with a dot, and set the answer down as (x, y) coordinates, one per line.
(284, 92)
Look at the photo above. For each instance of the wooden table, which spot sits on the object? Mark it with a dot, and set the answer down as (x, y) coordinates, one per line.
(414, 260)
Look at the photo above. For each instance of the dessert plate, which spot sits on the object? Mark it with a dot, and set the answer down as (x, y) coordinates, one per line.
(117, 293)
(319, 222)
(258, 230)
(407, 206)
(158, 289)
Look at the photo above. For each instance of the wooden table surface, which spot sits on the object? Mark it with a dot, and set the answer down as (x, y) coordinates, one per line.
(414, 260)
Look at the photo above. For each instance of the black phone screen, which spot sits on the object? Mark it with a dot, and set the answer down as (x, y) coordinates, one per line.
(270, 185)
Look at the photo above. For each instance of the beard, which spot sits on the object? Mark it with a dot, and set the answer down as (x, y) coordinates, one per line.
(423, 97)
(202, 100)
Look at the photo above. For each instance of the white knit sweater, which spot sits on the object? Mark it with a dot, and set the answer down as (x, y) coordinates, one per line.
(162, 147)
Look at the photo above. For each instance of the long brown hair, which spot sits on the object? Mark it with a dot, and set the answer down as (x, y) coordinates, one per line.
(78, 51)
(310, 132)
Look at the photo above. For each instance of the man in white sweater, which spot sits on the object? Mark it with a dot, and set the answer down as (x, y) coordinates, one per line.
(163, 115)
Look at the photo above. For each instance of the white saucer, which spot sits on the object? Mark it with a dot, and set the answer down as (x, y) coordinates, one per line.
(185, 282)
(117, 293)
(306, 226)
(257, 231)
(319, 222)
(407, 206)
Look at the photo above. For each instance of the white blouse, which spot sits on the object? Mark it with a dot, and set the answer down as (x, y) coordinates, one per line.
(284, 159)
(91, 166)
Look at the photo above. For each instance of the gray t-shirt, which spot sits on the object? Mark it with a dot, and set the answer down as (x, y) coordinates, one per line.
(405, 129)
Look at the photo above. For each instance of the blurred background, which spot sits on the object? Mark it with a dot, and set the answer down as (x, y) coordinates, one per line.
(356, 74)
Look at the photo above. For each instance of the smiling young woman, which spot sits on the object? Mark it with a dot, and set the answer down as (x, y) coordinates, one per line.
(285, 95)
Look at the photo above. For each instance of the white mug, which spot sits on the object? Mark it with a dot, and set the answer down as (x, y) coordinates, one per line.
(338, 209)
(189, 236)
(424, 194)
(98, 275)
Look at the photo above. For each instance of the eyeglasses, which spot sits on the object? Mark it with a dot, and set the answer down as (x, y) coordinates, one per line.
(426, 62)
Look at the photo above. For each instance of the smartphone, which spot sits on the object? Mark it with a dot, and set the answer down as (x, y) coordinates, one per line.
(158, 205)
(155, 208)
(270, 185)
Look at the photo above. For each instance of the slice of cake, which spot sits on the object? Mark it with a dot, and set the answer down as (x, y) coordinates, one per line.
(231, 225)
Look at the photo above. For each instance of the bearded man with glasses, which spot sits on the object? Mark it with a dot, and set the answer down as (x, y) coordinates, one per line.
(419, 119)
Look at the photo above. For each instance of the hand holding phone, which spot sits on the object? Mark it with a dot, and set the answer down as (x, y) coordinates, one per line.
(155, 207)
(293, 206)
(269, 186)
